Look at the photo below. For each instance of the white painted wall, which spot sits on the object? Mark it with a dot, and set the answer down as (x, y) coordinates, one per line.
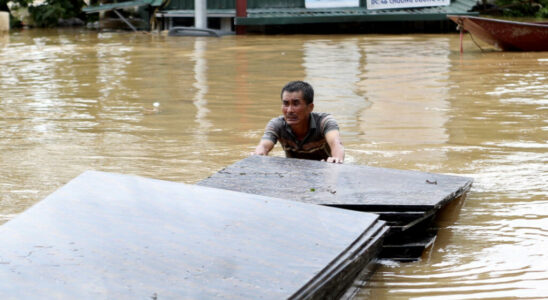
(4, 21)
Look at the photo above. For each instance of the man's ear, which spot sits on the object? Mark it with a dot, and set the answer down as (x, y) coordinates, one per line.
(311, 107)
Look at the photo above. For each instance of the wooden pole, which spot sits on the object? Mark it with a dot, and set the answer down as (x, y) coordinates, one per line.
(241, 12)
(200, 14)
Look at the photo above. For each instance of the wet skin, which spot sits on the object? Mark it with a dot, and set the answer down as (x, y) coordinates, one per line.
(296, 112)
(297, 115)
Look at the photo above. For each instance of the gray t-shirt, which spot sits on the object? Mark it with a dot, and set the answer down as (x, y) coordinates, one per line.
(314, 146)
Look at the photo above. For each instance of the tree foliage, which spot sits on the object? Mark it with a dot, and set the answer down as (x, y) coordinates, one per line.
(4, 4)
(523, 8)
(49, 12)
(17, 3)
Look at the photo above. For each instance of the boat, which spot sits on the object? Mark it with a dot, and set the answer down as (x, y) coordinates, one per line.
(506, 35)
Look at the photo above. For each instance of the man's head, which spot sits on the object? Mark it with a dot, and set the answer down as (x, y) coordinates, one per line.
(297, 104)
(304, 87)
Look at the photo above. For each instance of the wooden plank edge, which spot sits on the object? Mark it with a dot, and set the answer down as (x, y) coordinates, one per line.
(338, 276)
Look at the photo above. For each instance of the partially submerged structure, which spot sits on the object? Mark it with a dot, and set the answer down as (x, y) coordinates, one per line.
(227, 15)
(125, 237)
(504, 34)
(302, 230)
(408, 201)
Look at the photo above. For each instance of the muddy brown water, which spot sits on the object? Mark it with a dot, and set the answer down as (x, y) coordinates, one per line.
(74, 100)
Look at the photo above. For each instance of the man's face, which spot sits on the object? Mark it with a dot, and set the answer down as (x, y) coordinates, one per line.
(295, 109)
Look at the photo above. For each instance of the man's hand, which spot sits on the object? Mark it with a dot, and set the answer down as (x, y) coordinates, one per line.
(337, 150)
(264, 147)
(334, 160)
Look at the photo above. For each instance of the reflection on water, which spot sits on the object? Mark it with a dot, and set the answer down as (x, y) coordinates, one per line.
(73, 100)
(502, 143)
(200, 69)
(406, 80)
(4, 39)
(334, 68)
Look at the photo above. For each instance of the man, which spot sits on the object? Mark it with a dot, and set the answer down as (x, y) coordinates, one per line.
(301, 132)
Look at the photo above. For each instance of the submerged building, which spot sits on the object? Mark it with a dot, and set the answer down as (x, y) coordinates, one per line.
(295, 15)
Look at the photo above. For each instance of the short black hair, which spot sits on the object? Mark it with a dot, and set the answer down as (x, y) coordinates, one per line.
(296, 86)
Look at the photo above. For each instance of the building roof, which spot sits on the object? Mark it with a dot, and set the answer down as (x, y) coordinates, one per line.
(280, 16)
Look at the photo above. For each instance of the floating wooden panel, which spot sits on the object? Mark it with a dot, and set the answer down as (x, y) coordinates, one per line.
(350, 186)
(125, 237)
(407, 200)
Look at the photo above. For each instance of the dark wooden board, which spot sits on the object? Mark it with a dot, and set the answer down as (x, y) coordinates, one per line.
(366, 188)
(126, 237)
(408, 201)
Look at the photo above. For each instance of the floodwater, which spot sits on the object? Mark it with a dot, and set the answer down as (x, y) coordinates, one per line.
(74, 100)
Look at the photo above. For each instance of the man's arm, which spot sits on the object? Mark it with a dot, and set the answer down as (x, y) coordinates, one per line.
(337, 150)
(264, 147)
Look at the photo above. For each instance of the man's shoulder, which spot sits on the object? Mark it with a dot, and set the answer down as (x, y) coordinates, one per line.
(277, 122)
(321, 117)
(279, 119)
(325, 122)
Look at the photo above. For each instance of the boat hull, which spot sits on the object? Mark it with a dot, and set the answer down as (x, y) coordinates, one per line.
(506, 35)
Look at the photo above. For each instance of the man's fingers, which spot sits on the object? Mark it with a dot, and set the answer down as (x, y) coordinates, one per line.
(334, 160)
